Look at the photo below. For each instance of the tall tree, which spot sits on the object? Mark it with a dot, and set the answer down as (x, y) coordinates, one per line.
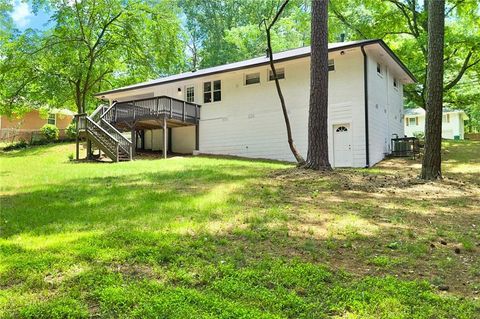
(403, 25)
(227, 31)
(317, 157)
(431, 164)
(268, 29)
(92, 45)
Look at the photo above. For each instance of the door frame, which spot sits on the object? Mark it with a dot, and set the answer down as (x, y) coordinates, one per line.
(340, 123)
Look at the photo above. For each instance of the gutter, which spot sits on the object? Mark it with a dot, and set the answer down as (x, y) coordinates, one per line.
(365, 94)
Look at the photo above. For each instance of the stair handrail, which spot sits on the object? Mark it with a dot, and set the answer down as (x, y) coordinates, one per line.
(118, 134)
(97, 111)
(102, 129)
(108, 110)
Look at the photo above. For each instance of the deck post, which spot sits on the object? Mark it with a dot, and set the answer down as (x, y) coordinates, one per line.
(134, 142)
(183, 112)
(165, 140)
(89, 149)
(197, 137)
(77, 139)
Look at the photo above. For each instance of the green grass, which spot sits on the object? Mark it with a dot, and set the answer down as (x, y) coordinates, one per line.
(229, 238)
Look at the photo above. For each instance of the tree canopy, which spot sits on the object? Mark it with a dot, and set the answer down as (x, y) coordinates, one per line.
(149, 39)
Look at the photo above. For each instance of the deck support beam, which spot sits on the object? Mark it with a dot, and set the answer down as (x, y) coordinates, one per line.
(134, 141)
(165, 139)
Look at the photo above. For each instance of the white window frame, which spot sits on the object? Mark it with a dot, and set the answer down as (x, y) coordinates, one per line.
(280, 74)
(446, 118)
(54, 118)
(187, 87)
(255, 75)
(212, 91)
(410, 121)
(379, 69)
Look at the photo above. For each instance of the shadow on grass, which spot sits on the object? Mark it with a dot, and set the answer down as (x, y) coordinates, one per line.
(249, 273)
(99, 202)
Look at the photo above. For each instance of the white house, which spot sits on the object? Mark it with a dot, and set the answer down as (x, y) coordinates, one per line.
(241, 114)
(452, 123)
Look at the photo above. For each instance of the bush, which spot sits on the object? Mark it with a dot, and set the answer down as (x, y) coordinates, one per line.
(15, 146)
(50, 132)
(71, 131)
(419, 135)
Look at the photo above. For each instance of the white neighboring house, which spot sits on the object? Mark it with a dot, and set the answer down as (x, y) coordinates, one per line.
(452, 123)
(241, 113)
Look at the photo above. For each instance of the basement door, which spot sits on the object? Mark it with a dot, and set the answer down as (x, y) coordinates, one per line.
(342, 145)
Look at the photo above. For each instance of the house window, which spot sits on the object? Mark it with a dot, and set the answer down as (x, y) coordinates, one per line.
(446, 118)
(341, 129)
(379, 69)
(52, 119)
(252, 78)
(212, 91)
(412, 121)
(331, 65)
(280, 74)
(395, 83)
(190, 94)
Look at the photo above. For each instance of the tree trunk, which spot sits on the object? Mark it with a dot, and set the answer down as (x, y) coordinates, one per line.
(317, 157)
(291, 144)
(431, 165)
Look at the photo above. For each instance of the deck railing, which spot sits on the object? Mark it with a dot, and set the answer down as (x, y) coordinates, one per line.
(161, 106)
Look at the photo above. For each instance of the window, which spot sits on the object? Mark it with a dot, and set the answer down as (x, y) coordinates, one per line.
(412, 121)
(190, 93)
(341, 129)
(379, 69)
(446, 118)
(52, 119)
(252, 78)
(280, 74)
(395, 83)
(212, 91)
(331, 65)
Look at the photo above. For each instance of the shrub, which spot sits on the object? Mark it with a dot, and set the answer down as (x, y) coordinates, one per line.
(50, 132)
(15, 146)
(71, 156)
(71, 131)
(420, 135)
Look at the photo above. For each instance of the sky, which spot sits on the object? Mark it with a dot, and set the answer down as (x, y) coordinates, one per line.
(24, 18)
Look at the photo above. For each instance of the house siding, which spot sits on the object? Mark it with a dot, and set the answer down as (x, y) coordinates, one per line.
(385, 110)
(248, 121)
(29, 124)
(455, 127)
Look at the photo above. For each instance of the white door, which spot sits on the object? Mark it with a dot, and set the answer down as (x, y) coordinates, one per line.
(342, 146)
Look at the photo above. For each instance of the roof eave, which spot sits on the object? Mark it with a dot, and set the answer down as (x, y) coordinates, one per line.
(299, 56)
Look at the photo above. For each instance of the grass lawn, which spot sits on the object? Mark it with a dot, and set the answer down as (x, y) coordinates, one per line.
(204, 237)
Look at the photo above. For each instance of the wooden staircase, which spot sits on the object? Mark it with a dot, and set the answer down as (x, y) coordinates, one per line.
(103, 135)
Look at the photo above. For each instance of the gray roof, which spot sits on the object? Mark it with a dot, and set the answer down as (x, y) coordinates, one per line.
(278, 57)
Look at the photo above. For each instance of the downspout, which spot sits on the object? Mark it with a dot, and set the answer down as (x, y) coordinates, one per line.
(365, 94)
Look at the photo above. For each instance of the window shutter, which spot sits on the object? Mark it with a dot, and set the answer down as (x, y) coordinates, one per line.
(416, 120)
(407, 120)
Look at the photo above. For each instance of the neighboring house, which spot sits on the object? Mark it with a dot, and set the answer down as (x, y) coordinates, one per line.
(241, 113)
(27, 126)
(452, 123)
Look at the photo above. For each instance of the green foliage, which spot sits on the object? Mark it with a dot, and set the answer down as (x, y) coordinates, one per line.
(50, 132)
(420, 135)
(15, 146)
(71, 131)
(91, 47)
(210, 237)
